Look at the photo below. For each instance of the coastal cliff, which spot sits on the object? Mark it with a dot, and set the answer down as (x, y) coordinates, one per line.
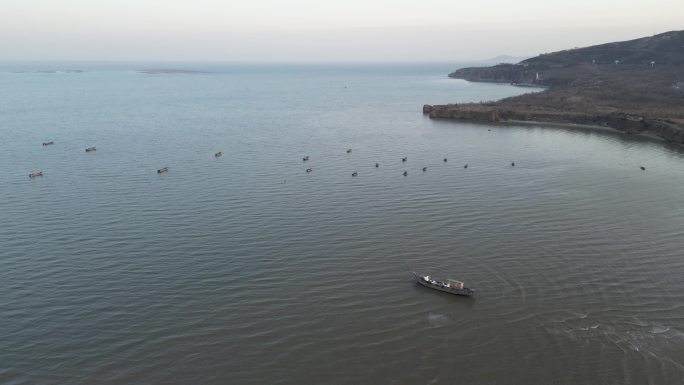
(632, 86)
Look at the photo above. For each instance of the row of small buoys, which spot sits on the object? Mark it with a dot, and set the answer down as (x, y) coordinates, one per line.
(377, 165)
(162, 170)
(445, 160)
(34, 174)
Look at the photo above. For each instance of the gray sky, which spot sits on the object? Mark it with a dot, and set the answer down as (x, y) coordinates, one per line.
(306, 30)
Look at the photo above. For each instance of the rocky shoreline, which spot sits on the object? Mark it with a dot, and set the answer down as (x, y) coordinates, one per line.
(491, 113)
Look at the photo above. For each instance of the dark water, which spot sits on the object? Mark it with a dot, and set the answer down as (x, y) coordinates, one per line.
(245, 269)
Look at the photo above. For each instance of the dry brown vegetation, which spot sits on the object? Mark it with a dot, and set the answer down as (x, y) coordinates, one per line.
(587, 89)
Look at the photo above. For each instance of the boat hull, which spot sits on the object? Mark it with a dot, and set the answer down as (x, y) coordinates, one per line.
(466, 292)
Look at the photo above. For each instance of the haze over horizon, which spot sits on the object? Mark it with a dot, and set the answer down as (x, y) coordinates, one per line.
(306, 30)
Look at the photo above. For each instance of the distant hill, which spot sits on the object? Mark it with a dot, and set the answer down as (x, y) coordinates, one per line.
(662, 49)
(507, 59)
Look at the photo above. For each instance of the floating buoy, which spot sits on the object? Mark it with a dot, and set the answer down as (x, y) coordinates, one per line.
(309, 169)
(349, 151)
(405, 173)
(466, 165)
(377, 165)
(642, 168)
(445, 160)
(305, 158)
(512, 164)
(424, 169)
(218, 154)
(403, 159)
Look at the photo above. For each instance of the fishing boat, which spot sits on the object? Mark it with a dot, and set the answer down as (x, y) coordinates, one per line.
(218, 154)
(163, 169)
(48, 142)
(448, 286)
(89, 149)
(35, 174)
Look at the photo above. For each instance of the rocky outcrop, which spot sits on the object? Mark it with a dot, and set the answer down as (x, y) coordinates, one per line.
(427, 108)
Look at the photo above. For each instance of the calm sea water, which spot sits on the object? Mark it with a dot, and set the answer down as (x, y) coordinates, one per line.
(245, 269)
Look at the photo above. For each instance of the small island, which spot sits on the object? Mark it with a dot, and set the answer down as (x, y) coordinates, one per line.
(635, 86)
(163, 71)
(67, 71)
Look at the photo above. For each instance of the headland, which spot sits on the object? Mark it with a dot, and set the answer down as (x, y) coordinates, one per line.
(635, 86)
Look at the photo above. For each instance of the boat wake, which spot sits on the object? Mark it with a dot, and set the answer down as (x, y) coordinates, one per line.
(651, 340)
(437, 320)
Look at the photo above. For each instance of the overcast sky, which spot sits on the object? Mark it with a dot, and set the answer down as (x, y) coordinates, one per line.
(323, 30)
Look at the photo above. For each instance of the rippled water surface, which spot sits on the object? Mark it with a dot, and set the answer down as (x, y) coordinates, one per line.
(245, 269)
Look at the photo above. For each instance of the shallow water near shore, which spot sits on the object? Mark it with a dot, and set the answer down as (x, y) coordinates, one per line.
(245, 269)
